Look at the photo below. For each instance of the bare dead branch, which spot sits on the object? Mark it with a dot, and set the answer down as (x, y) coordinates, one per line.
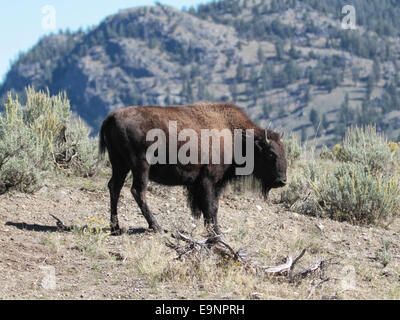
(294, 263)
(213, 242)
(63, 228)
(282, 268)
(60, 225)
(288, 266)
(216, 244)
(298, 258)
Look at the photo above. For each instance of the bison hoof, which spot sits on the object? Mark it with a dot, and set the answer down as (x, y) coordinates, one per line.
(217, 230)
(213, 229)
(156, 228)
(116, 231)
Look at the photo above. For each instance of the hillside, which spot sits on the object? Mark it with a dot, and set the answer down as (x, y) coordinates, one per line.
(138, 265)
(288, 63)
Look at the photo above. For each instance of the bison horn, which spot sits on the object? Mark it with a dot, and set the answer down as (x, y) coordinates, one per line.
(266, 136)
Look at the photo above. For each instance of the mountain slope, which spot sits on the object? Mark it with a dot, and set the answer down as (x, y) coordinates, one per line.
(288, 63)
(139, 56)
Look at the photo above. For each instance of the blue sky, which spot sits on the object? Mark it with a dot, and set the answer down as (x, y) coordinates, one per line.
(24, 22)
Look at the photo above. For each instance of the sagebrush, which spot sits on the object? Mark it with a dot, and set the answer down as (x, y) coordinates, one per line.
(41, 137)
(357, 181)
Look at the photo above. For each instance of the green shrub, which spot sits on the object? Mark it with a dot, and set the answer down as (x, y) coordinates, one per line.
(20, 151)
(299, 194)
(46, 116)
(331, 154)
(383, 255)
(293, 149)
(77, 151)
(352, 193)
(20, 159)
(366, 147)
(357, 181)
(41, 137)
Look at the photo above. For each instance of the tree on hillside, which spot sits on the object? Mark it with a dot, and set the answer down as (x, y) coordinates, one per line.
(376, 70)
(267, 108)
(324, 122)
(370, 85)
(234, 90)
(307, 96)
(266, 76)
(260, 55)
(346, 114)
(293, 53)
(303, 134)
(315, 118)
(274, 6)
(355, 74)
(279, 50)
(240, 72)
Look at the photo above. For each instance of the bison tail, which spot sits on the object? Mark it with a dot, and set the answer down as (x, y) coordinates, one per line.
(102, 138)
(102, 145)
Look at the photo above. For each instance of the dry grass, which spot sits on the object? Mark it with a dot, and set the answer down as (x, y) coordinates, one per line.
(139, 265)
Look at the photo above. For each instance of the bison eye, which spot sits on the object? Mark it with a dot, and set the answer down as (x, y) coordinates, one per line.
(271, 155)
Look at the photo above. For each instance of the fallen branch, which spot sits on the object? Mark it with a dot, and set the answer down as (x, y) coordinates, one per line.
(215, 243)
(286, 267)
(61, 226)
(282, 268)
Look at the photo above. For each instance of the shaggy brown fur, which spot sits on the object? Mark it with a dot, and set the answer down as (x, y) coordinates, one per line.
(123, 134)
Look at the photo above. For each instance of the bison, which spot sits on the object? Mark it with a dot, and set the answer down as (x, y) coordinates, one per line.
(128, 134)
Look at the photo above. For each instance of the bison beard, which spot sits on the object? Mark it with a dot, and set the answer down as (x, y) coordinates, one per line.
(123, 135)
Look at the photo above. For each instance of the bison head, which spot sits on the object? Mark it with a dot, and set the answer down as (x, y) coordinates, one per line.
(270, 161)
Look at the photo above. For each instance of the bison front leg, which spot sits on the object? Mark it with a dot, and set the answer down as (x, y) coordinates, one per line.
(208, 200)
(139, 188)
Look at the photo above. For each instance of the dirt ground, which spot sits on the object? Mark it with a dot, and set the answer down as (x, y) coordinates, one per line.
(39, 262)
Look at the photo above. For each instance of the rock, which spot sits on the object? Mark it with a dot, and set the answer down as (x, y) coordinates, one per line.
(386, 273)
(256, 295)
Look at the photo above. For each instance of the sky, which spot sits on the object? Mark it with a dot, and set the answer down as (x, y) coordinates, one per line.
(24, 22)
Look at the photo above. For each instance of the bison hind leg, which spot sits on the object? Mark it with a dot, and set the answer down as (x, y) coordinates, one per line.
(115, 185)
